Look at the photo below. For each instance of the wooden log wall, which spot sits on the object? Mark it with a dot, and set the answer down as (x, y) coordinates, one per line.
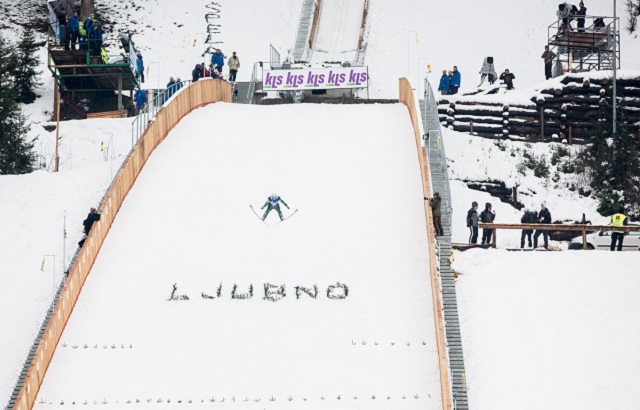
(196, 95)
(557, 114)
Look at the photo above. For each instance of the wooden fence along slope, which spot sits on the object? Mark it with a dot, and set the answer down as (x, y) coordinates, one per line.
(196, 95)
(407, 98)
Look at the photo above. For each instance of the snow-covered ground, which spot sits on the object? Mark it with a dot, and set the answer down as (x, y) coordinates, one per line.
(403, 36)
(190, 224)
(32, 214)
(471, 158)
(338, 31)
(549, 330)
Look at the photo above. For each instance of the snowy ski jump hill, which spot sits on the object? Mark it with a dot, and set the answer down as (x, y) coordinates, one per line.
(329, 309)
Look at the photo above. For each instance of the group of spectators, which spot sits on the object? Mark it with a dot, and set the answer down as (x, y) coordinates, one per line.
(216, 66)
(489, 215)
(450, 81)
(87, 34)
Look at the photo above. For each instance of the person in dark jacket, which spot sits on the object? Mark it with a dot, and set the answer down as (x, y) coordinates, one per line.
(548, 57)
(435, 203)
(445, 83)
(217, 59)
(529, 217)
(619, 219)
(88, 223)
(544, 217)
(582, 11)
(97, 40)
(141, 100)
(74, 29)
(196, 73)
(472, 222)
(508, 78)
(62, 28)
(456, 80)
(487, 216)
(178, 85)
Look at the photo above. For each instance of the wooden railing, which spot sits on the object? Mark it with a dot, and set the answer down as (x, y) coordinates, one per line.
(407, 98)
(582, 228)
(196, 95)
(314, 24)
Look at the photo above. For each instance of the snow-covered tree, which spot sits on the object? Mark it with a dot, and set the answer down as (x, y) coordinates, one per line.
(26, 70)
(614, 160)
(633, 11)
(16, 154)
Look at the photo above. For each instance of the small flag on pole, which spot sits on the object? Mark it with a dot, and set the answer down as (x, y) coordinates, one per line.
(417, 39)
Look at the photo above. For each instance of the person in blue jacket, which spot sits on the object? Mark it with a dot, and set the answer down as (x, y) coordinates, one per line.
(88, 27)
(140, 66)
(141, 100)
(171, 87)
(74, 29)
(217, 59)
(178, 85)
(455, 81)
(444, 83)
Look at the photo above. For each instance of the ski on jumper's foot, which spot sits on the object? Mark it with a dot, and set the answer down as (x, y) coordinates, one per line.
(256, 214)
(284, 219)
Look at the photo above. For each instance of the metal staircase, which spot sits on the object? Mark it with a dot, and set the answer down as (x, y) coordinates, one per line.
(440, 184)
(242, 94)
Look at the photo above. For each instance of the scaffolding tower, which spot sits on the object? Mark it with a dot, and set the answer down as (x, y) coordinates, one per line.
(589, 46)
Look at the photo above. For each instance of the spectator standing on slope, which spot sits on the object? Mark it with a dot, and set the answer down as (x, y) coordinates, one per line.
(234, 66)
(88, 224)
(508, 78)
(217, 59)
(74, 29)
(619, 219)
(529, 217)
(472, 222)
(171, 85)
(178, 85)
(582, 11)
(548, 57)
(62, 28)
(141, 100)
(139, 66)
(196, 73)
(435, 203)
(487, 216)
(445, 83)
(544, 217)
(456, 80)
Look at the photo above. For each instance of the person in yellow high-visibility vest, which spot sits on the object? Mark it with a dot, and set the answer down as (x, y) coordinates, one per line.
(619, 219)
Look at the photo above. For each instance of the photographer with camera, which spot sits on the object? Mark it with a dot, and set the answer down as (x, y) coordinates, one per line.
(435, 211)
(88, 224)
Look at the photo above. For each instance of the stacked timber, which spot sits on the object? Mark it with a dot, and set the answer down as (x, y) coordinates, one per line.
(565, 113)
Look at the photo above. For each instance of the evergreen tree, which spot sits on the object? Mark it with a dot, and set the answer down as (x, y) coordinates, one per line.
(16, 154)
(633, 11)
(614, 160)
(26, 70)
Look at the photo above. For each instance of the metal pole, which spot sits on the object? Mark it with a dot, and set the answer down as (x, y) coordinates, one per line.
(615, 64)
(56, 160)
(64, 239)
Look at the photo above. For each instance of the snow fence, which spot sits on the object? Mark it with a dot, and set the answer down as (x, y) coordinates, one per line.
(196, 95)
(407, 98)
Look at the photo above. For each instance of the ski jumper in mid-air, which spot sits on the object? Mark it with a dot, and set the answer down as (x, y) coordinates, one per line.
(273, 202)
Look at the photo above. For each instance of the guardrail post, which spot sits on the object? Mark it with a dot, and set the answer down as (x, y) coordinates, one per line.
(493, 240)
(584, 238)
